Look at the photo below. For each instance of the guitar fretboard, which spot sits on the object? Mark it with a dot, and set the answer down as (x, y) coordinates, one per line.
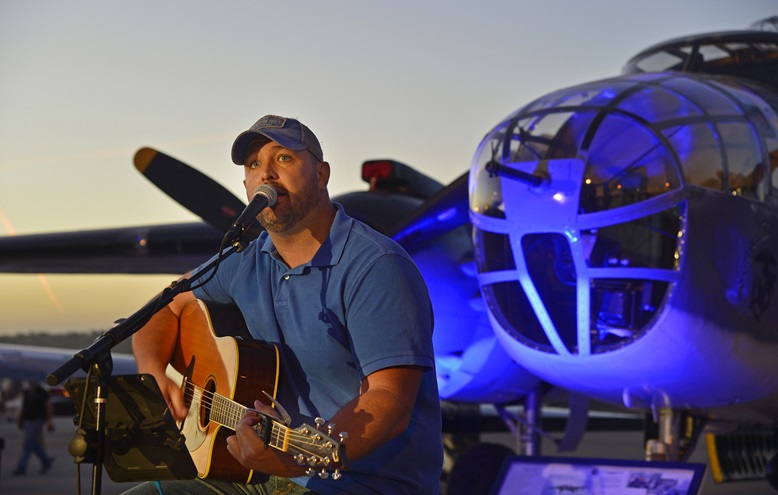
(227, 412)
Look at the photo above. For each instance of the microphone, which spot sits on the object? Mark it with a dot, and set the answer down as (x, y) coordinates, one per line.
(264, 196)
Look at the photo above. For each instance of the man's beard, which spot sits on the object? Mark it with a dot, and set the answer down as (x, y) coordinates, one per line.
(290, 214)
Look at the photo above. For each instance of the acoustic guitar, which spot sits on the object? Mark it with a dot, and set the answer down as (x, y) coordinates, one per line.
(221, 376)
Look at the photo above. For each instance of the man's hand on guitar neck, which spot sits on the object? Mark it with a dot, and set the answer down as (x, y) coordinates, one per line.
(249, 449)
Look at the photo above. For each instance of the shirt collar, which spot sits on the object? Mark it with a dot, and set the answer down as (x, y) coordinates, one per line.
(331, 250)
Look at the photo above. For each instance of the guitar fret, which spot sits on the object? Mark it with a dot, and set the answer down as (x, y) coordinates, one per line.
(281, 438)
(227, 413)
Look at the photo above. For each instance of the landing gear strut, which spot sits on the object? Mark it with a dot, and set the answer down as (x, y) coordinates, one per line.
(671, 435)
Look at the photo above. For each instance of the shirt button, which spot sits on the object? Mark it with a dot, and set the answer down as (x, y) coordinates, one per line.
(286, 277)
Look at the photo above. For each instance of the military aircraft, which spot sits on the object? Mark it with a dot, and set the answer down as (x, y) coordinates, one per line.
(626, 238)
(617, 239)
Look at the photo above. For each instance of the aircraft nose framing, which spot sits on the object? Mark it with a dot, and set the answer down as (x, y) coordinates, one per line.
(588, 259)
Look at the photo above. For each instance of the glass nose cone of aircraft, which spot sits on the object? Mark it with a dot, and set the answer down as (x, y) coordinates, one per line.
(580, 201)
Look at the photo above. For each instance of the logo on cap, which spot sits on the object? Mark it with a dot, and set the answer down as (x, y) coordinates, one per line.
(270, 121)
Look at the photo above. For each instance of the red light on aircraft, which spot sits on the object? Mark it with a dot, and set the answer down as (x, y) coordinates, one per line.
(377, 170)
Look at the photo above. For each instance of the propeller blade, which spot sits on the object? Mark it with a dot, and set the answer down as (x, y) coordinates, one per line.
(192, 189)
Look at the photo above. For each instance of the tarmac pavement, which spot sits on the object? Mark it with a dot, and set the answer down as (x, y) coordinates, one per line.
(61, 478)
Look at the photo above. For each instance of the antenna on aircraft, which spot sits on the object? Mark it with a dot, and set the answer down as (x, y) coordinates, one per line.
(766, 24)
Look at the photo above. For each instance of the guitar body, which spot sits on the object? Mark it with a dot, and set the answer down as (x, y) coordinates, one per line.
(236, 368)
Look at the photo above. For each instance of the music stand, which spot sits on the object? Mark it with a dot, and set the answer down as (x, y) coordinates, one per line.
(143, 442)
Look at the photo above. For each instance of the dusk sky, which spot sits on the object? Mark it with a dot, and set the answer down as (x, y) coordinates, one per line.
(86, 83)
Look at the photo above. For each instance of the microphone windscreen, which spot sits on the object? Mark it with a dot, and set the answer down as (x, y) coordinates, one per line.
(267, 191)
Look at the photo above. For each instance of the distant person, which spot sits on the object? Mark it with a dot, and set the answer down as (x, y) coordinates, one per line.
(34, 413)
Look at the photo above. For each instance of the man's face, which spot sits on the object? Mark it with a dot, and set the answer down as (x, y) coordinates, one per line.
(299, 179)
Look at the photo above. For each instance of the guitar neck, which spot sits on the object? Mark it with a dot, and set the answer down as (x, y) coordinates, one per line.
(227, 413)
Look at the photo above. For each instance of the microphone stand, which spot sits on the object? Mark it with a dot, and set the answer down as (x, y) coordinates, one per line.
(98, 355)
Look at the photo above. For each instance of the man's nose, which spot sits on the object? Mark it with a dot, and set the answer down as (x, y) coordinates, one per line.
(267, 171)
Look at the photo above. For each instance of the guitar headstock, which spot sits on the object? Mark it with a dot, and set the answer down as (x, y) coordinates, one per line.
(309, 445)
(316, 449)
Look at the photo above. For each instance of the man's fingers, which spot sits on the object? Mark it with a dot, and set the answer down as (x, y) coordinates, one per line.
(178, 407)
(173, 396)
(179, 410)
(245, 444)
(266, 410)
(232, 446)
(248, 420)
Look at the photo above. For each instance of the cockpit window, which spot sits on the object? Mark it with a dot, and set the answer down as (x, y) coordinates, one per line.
(658, 103)
(749, 55)
(699, 152)
(744, 160)
(539, 136)
(633, 135)
(627, 163)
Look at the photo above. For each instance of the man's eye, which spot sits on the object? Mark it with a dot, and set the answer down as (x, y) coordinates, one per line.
(254, 165)
(284, 158)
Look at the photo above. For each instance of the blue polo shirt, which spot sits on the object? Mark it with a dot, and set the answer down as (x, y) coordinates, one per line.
(360, 305)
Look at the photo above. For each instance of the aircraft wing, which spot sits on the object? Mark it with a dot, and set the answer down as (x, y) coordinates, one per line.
(26, 362)
(171, 248)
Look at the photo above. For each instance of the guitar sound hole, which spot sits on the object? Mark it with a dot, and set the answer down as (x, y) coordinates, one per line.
(205, 404)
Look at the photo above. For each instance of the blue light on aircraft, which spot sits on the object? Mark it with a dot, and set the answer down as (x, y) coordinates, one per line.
(607, 94)
(446, 215)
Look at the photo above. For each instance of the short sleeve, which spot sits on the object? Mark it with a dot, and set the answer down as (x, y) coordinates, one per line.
(389, 316)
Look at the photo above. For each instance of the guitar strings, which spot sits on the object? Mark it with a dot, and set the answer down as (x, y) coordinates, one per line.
(279, 433)
(222, 409)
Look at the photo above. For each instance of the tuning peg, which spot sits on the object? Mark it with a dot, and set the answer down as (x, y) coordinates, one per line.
(323, 474)
(310, 472)
(336, 475)
(319, 422)
(343, 436)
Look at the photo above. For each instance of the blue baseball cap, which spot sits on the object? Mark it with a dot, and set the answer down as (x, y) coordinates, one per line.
(289, 133)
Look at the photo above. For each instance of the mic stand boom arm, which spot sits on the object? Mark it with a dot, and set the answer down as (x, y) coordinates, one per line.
(99, 351)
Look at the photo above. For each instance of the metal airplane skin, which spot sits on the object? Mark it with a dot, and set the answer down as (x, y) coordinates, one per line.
(616, 239)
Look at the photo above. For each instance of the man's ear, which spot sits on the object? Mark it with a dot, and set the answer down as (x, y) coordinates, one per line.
(323, 171)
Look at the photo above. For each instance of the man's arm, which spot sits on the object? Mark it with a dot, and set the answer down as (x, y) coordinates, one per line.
(381, 412)
(153, 346)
